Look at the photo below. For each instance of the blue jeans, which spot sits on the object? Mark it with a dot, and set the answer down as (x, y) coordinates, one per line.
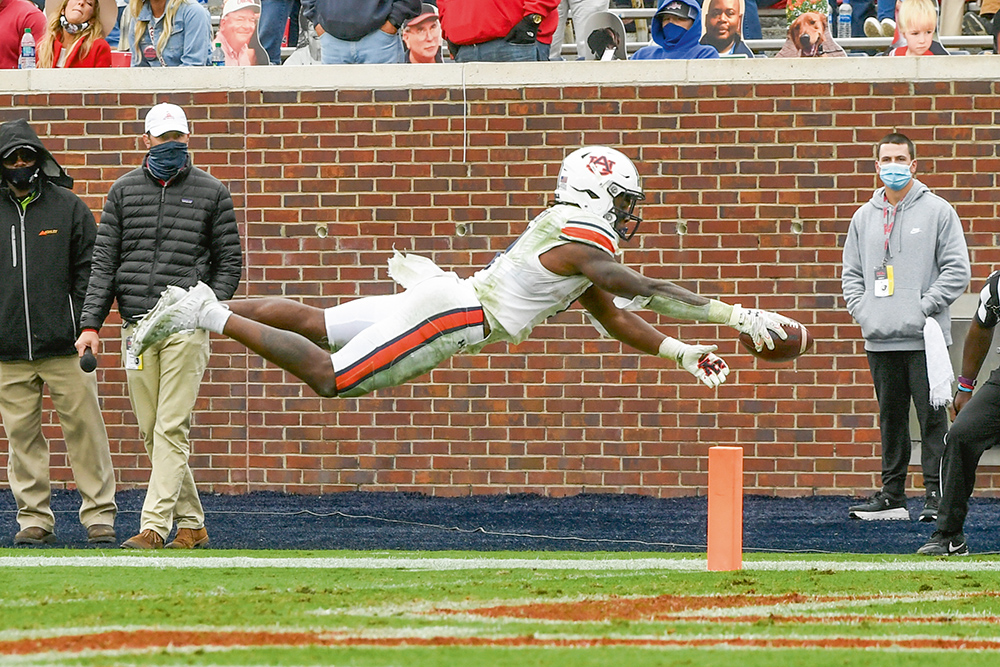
(499, 51)
(271, 26)
(115, 35)
(376, 47)
(751, 18)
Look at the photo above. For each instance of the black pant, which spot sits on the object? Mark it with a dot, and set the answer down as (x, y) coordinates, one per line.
(976, 429)
(899, 377)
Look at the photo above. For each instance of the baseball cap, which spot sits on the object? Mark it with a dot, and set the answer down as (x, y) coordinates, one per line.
(234, 5)
(427, 11)
(165, 118)
(18, 147)
(680, 10)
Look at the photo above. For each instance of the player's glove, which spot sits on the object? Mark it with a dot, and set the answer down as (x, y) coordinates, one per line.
(759, 324)
(525, 32)
(697, 360)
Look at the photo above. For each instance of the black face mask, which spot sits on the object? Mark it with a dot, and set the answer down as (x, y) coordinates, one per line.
(166, 159)
(22, 177)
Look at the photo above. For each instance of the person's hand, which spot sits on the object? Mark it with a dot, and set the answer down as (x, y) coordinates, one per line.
(88, 339)
(698, 360)
(389, 28)
(319, 29)
(525, 32)
(758, 324)
(961, 398)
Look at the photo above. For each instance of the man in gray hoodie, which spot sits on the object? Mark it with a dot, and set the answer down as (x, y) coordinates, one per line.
(905, 260)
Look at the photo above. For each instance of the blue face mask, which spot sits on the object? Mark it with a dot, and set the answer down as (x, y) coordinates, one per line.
(895, 176)
(673, 32)
(166, 159)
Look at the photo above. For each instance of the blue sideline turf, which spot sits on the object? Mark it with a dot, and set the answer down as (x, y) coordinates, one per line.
(587, 522)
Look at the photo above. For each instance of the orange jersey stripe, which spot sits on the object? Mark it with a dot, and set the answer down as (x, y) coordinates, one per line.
(589, 236)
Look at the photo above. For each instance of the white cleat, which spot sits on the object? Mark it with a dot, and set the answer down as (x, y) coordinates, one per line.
(179, 315)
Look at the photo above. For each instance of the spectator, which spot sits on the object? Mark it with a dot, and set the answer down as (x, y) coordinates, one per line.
(308, 51)
(724, 27)
(883, 24)
(568, 253)
(44, 269)
(422, 36)
(274, 19)
(115, 35)
(166, 223)
(167, 33)
(905, 262)
(15, 16)
(917, 24)
(676, 29)
(499, 30)
(238, 33)
(580, 12)
(74, 36)
(973, 431)
(360, 31)
(809, 34)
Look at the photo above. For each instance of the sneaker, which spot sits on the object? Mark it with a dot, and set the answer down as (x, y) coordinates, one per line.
(930, 510)
(190, 538)
(34, 536)
(881, 507)
(147, 539)
(872, 27)
(888, 28)
(974, 24)
(181, 315)
(943, 544)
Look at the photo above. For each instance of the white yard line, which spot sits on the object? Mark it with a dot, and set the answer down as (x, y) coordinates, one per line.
(486, 563)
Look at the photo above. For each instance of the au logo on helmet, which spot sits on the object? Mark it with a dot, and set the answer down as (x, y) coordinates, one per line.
(601, 165)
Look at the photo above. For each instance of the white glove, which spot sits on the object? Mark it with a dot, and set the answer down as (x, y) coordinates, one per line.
(759, 324)
(697, 360)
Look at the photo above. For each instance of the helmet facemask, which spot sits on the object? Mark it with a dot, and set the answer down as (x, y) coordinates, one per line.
(624, 204)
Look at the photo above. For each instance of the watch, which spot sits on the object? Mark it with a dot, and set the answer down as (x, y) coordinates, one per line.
(535, 18)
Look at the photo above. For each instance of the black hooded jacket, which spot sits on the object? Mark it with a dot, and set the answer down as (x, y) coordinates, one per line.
(45, 257)
(153, 235)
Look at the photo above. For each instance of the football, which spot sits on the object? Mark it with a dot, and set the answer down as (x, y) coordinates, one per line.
(798, 342)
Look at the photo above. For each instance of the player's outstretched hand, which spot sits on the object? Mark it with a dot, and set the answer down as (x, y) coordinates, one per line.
(698, 360)
(759, 325)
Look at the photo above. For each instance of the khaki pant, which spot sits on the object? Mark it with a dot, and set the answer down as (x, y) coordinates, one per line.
(74, 395)
(163, 394)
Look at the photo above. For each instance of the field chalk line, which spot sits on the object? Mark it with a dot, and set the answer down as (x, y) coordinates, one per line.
(480, 563)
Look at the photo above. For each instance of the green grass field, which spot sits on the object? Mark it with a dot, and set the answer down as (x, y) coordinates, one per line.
(367, 609)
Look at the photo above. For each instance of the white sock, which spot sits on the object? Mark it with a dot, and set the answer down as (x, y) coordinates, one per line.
(214, 317)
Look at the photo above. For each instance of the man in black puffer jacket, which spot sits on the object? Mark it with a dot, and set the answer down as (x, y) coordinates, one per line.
(166, 226)
(44, 267)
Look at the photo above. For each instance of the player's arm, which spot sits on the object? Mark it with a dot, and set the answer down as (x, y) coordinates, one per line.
(977, 345)
(661, 296)
(634, 331)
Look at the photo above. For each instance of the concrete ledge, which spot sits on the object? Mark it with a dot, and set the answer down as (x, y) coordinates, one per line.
(506, 75)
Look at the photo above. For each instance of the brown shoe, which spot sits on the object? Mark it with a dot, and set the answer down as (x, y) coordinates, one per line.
(100, 533)
(34, 536)
(190, 538)
(147, 539)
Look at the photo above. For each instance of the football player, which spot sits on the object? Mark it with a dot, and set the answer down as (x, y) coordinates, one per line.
(568, 253)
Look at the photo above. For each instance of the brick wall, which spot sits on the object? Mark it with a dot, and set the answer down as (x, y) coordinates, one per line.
(764, 178)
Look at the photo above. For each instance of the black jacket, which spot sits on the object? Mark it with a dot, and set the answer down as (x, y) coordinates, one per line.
(154, 235)
(44, 259)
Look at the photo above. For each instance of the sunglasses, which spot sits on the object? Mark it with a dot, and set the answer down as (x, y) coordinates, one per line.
(25, 155)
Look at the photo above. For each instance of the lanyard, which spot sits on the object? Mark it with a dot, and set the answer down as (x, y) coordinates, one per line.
(887, 224)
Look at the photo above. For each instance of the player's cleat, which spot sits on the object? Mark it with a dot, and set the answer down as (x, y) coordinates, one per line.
(943, 544)
(930, 510)
(881, 507)
(182, 315)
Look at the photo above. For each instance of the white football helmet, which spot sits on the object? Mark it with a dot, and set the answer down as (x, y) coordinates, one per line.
(603, 181)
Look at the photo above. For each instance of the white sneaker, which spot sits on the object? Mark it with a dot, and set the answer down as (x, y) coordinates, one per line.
(888, 27)
(872, 27)
(181, 315)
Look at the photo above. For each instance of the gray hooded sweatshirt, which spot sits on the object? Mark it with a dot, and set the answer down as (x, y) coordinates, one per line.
(930, 263)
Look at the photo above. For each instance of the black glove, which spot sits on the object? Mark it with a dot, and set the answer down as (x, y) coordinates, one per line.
(525, 32)
(601, 40)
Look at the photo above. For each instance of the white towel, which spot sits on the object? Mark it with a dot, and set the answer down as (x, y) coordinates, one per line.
(939, 372)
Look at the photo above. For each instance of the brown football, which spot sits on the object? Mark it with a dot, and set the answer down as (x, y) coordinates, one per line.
(798, 342)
